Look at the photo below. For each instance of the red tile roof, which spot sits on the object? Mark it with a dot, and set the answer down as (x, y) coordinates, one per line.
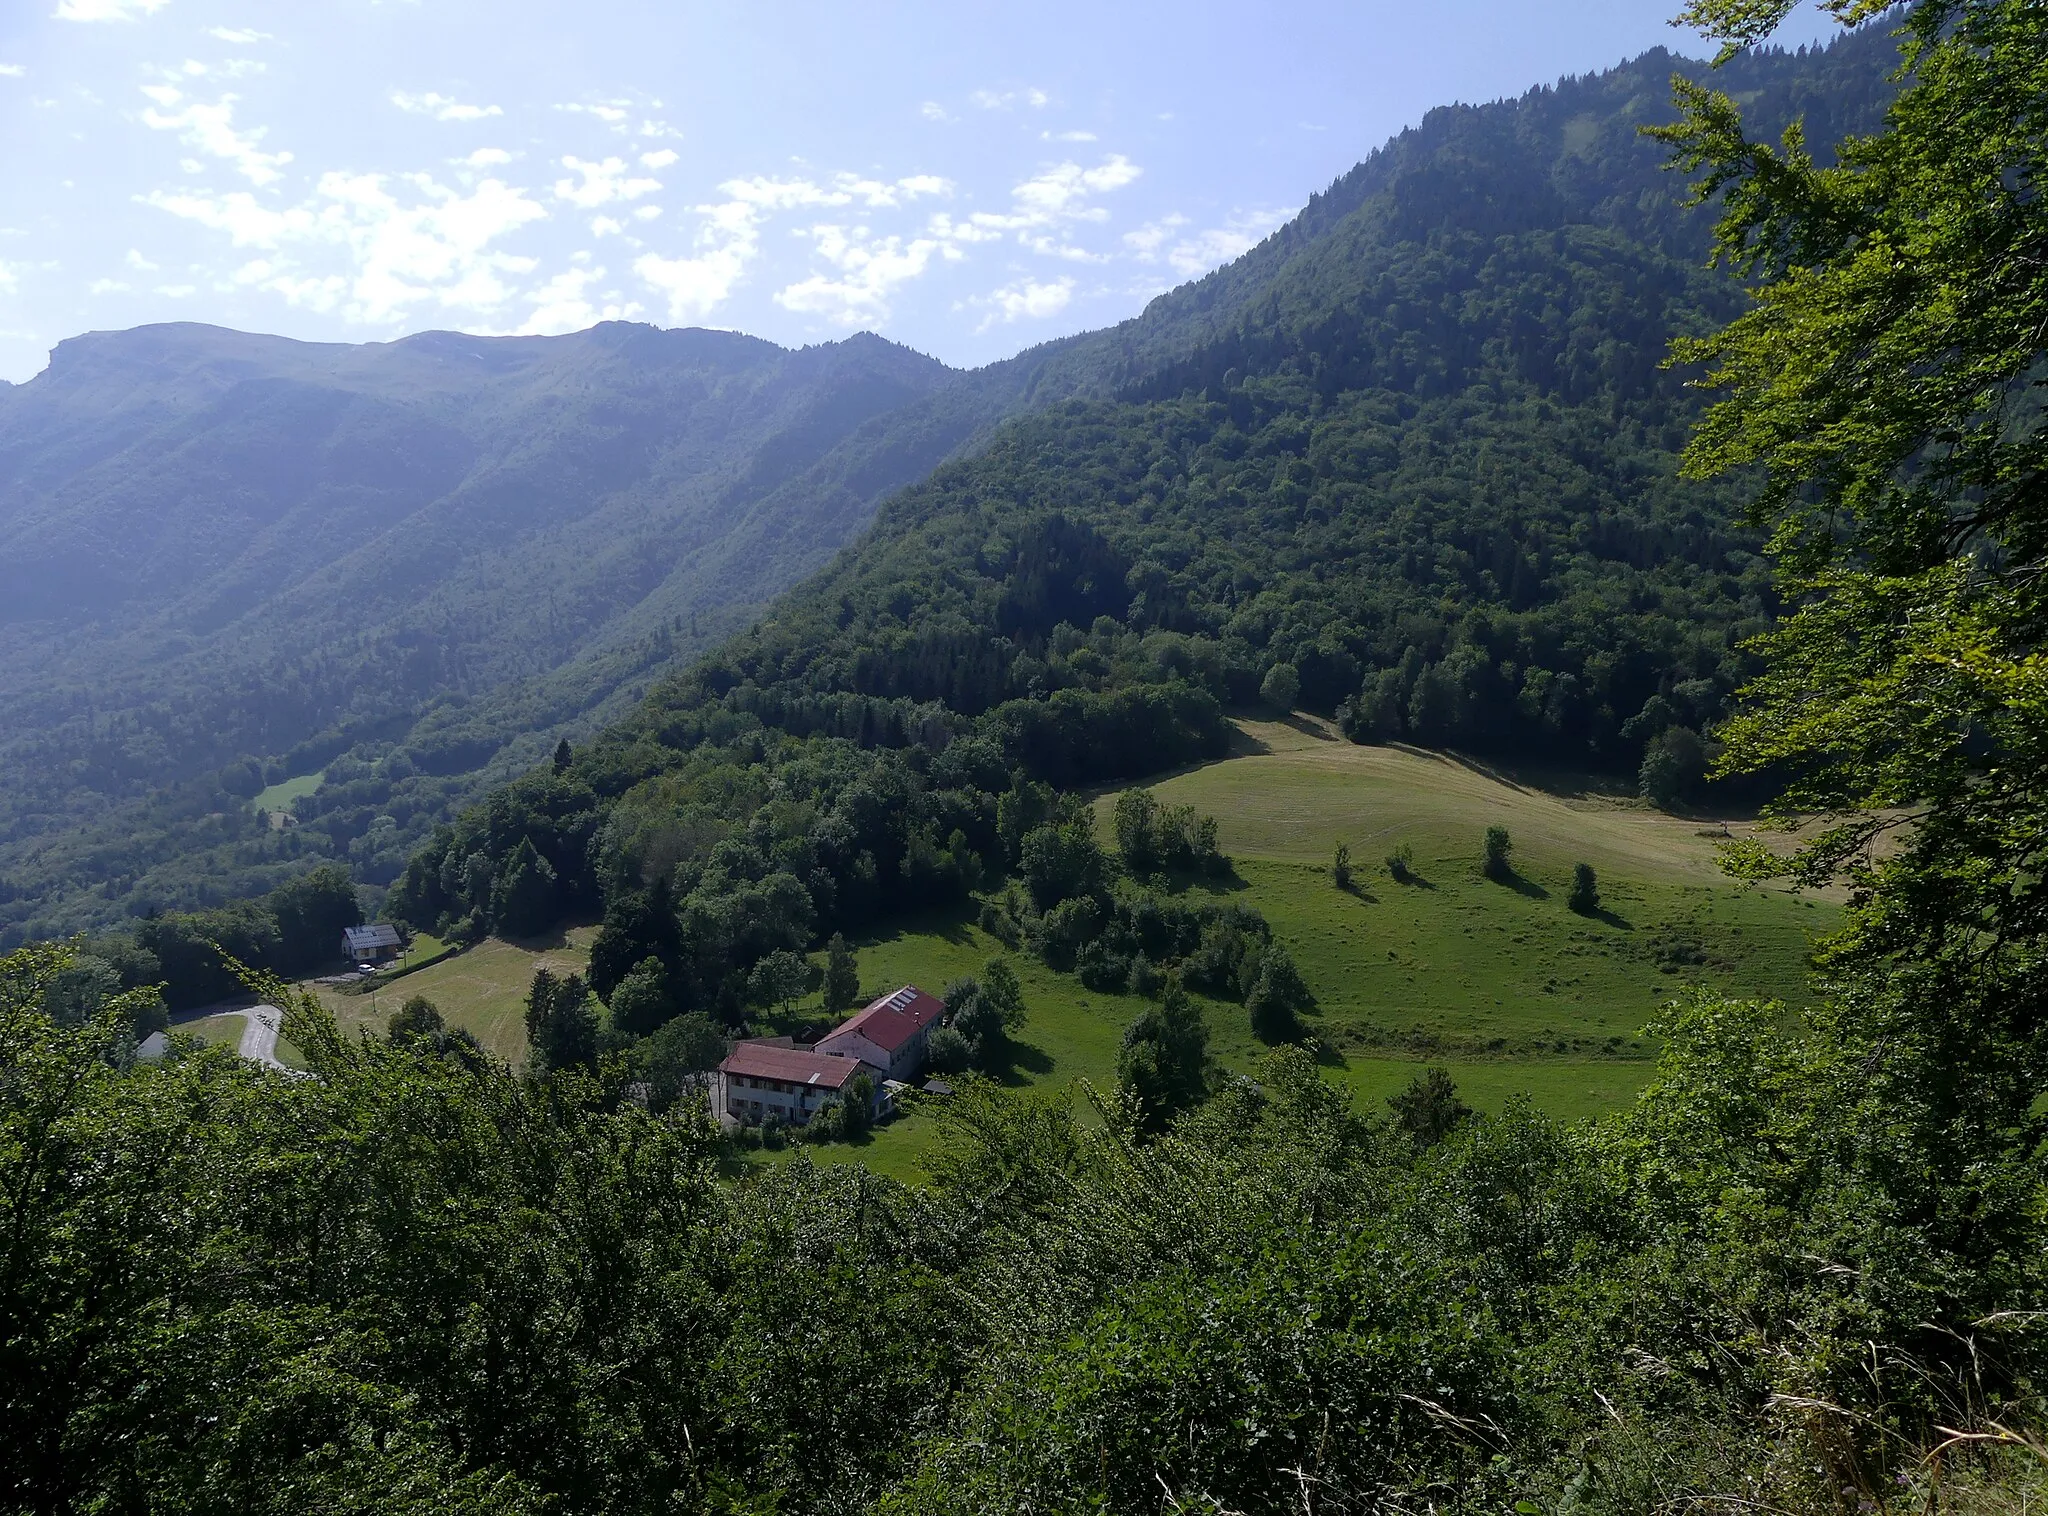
(893, 1020)
(763, 1060)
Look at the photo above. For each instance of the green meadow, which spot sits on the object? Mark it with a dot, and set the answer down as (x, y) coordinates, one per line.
(1498, 983)
(481, 989)
(285, 794)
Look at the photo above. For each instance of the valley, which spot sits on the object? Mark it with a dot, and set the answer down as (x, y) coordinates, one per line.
(1498, 983)
(1469, 789)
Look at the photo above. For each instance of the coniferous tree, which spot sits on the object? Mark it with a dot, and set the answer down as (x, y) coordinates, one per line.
(524, 903)
(1164, 1065)
(842, 975)
(561, 1027)
(1585, 895)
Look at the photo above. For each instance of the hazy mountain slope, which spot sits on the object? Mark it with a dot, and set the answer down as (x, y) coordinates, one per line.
(215, 546)
(437, 555)
(1412, 463)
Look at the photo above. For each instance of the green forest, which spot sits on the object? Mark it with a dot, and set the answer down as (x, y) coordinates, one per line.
(1676, 425)
(362, 641)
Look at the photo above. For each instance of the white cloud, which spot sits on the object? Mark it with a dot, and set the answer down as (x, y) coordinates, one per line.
(991, 100)
(210, 129)
(616, 114)
(563, 304)
(177, 291)
(647, 213)
(1192, 254)
(107, 10)
(485, 157)
(867, 271)
(11, 71)
(10, 280)
(1066, 136)
(1045, 206)
(237, 36)
(138, 262)
(931, 110)
(442, 107)
(729, 239)
(106, 287)
(697, 285)
(602, 183)
(659, 159)
(1026, 300)
(406, 242)
(232, 68)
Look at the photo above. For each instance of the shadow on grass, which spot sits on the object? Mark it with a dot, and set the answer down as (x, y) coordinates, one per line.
(1409, 879)
(1229, 882)
(1357, 891)
(1619, 922)
(1521, 884)
(948, 923)
(1308, 728)
(552, 940)
(1018, 1060)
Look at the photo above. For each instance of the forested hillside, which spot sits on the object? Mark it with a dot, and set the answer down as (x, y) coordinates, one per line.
(1426, 477)
(410, 569)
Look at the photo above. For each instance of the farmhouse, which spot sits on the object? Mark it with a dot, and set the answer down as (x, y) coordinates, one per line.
(886, 1041)
(891, 1034)
(370, 944)
(761, 1079)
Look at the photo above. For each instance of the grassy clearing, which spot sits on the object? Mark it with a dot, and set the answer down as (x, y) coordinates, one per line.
(1498, 983)
(224, 1030)
(481, 989)
(282, 797)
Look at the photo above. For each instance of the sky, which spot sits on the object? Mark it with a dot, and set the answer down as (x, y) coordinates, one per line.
(965, 178)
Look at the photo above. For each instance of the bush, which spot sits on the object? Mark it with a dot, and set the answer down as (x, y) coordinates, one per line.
(1066, 929)
(1674, 764)
(1401, 863)
(1340, 867)
(1429, 1108)
(1585, 895)
(641, 1001)
(418, 1018)
(1277, 998)
(1102, 969)
(1500, 849)
(1281, 687)
(948, 1052)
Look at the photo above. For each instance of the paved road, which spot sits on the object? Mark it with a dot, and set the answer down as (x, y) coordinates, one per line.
(260, 1025)
(259, 1034)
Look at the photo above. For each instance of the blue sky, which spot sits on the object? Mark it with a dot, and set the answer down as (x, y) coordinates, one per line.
(965, 178)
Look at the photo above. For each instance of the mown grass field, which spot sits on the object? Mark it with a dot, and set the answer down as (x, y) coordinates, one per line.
(481, 989)
(282, 796)
(1498, 983)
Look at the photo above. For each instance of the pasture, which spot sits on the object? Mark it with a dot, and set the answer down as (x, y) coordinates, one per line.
(1497, 982)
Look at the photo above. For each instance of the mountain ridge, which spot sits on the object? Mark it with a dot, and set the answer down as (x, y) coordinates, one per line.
(645, 588)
